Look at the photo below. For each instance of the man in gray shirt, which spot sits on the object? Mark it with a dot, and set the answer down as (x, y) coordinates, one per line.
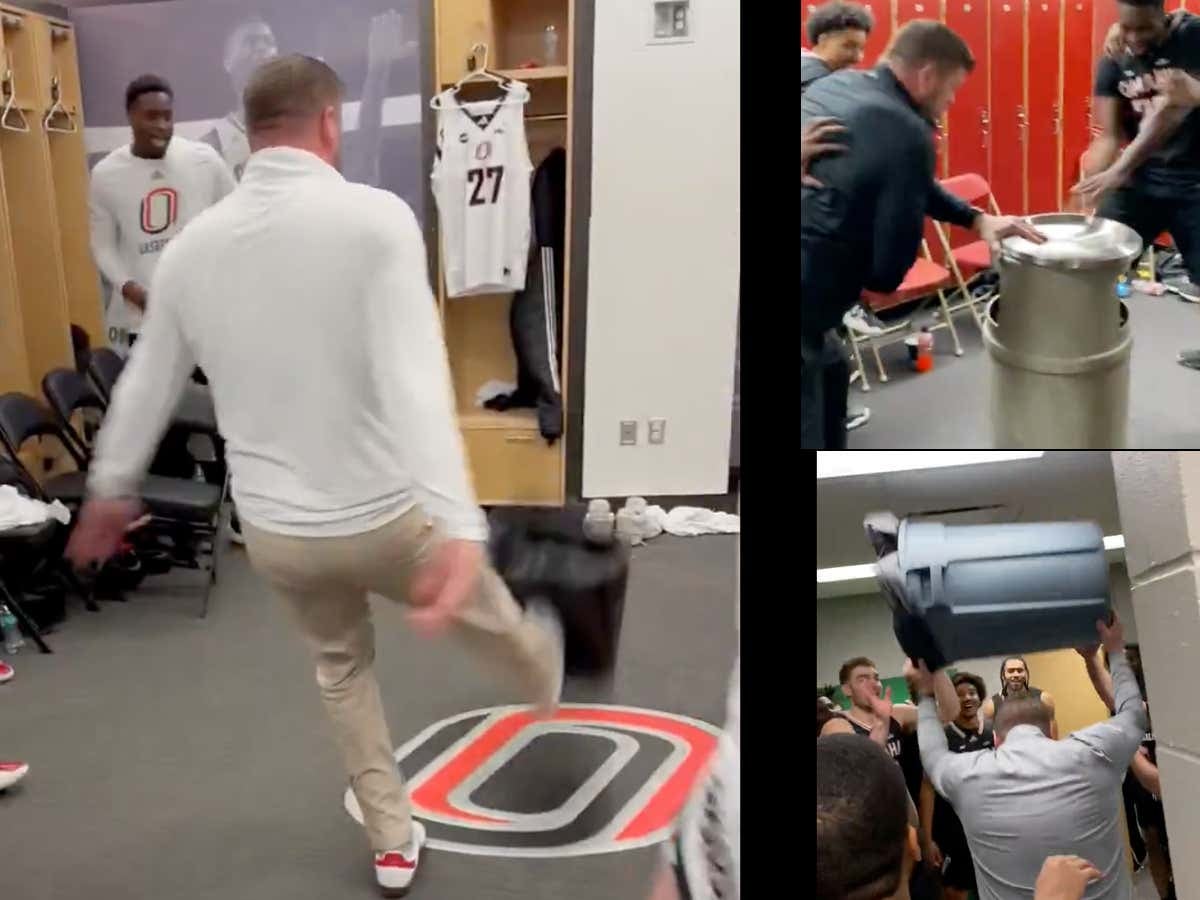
(1033, 796)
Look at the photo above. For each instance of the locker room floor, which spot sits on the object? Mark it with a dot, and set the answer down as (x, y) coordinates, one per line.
(186, 758)
(949, 406)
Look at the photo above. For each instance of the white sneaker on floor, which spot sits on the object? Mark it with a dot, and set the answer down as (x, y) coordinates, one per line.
(857, 417)
(235, 529)
(548, 618)
(395, 869)
(856, 320)
(11, 773)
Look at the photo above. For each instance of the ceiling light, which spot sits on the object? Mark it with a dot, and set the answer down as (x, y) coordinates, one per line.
(843, 463)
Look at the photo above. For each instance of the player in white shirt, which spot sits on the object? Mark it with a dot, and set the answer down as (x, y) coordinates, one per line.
(142, 195)
(481, 176)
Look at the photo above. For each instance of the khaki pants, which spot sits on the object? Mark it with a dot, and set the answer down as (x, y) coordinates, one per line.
(325, 581)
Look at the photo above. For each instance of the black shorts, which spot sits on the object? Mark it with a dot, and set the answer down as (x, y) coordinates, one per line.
(960, 868)
(1150, 814)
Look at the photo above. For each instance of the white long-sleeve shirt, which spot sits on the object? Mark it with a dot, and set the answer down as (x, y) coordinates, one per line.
(307, 302)
(137, 206)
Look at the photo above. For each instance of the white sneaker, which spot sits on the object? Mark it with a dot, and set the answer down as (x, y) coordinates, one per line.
(856, 320)
(6, 672)
(395, 869)
(547, 617)
(11, 773)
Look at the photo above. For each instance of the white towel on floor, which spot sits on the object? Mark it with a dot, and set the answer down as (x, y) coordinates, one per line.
(690, 521)
(17, 510)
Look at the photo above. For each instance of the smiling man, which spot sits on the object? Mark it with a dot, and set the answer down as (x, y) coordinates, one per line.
(142, 195)
(1014, 676)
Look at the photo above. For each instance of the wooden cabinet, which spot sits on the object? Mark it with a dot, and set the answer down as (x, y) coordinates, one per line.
(511, 463)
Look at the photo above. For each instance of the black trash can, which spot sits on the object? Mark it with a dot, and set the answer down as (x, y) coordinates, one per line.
(966, 591)
(542, 553)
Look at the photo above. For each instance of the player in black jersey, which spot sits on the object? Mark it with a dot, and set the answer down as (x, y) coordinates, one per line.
(1014, 678)
(943, 841)
(1141, 784)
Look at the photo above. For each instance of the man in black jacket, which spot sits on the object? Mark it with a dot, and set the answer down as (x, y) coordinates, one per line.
(838, 32)
(862, 229)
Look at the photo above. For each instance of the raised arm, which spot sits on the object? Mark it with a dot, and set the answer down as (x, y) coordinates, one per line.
(1118, 738)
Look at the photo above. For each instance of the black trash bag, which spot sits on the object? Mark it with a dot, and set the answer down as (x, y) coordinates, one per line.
(543, 554)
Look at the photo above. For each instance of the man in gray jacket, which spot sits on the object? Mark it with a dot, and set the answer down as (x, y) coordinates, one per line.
(1033, 796)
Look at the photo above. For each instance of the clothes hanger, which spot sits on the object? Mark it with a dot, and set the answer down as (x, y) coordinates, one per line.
(8, 87)
(477, 74)
(58, 109)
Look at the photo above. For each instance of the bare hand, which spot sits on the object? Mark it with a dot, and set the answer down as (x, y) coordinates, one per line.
(1094, 188)
(1088, 652)
(1144, 753)
(135, 294)
(1112, 637)
(1177, 88)
(444, 584)
(1064, 878)
(99, 530)
(994, 229)
(385, 40)
(932, 854)
(920, 676)
(882, 706)
(814, 143)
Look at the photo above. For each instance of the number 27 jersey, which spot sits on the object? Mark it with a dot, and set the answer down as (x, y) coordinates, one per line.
(481, 179)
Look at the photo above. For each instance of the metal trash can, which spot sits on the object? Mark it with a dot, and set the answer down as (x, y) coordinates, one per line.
(1058, 337)
(967, 591)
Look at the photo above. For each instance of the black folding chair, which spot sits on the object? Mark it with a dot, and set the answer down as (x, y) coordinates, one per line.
(29, 552)
(178, 507)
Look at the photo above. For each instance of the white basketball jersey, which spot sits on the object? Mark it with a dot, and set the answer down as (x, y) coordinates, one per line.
(481, 181)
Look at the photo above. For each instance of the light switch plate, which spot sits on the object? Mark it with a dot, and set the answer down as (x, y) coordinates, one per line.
(629, 434)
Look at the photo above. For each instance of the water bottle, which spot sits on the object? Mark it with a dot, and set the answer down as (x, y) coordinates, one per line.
(598, 523)
(13, 641)
(924, 350)
(550, 45)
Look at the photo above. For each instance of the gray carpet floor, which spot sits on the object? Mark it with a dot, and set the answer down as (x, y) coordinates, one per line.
(174, 757)
(948, 407)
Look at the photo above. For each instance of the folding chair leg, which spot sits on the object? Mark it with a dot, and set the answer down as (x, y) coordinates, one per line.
(23, 617)
(883, 375)
(958, 350)
(858, 362)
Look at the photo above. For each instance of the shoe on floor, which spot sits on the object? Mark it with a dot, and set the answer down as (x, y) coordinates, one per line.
(395, 869)
(6, 672)
(11, 773)
(1190, 358)
(548, 618)
(857, 418)
(235, 529)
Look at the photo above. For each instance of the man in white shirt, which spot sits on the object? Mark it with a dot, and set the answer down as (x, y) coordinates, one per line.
(142, 195)
(306, 300)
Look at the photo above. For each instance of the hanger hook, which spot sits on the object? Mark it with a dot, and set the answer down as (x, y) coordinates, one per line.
(476, 50)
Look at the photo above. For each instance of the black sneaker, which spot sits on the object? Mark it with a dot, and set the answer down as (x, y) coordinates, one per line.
(857, 418)
(1190, 358)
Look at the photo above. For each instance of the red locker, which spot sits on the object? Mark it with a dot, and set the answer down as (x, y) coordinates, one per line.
(967, 123)
(1104, 14)
(883, 11)
(1009, 117)
(1044, 146)
(1076, 92)
(805, 9)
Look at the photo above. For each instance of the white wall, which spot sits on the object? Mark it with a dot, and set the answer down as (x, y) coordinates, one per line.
(862, 626)
(663, 259)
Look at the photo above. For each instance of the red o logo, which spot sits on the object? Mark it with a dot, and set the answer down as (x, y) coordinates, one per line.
(594, 779)
(160, 209)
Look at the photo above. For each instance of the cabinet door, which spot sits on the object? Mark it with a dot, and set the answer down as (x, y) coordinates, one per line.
(906, 11)
(1045, 106)
(884, 12)
(1076, 93)
(967, 126)
(1009, 117)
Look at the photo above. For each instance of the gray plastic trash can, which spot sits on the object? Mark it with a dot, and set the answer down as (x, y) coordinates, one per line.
(987, 590)
(1058, 337)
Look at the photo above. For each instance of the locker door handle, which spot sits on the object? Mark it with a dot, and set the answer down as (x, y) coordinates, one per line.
(1022, 121)
(985, 128)
(1056, 121)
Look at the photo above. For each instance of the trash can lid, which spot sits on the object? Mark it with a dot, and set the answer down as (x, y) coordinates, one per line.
(1075, 242)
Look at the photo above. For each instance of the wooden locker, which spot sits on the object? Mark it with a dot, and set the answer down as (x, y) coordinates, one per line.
(884, 13)
(1009, 118)
(967, 125)
(1043, 100)
(1076, 92)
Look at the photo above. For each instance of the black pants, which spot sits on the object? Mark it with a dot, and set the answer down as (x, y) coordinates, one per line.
(824, 386)
(1150, 213)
